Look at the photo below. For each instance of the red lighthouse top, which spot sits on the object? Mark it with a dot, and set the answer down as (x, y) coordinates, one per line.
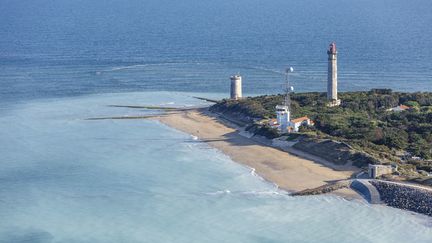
(332, 48)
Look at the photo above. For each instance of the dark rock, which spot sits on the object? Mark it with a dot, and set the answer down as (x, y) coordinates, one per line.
(405, 197)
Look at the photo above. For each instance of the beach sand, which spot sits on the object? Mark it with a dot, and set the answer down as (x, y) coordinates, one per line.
(288, 171)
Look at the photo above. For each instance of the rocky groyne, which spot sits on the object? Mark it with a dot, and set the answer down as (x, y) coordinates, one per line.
(405, 197)
(330, 187)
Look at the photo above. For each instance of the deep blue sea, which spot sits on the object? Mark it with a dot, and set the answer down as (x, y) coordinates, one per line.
(67, 179)
(71, 47)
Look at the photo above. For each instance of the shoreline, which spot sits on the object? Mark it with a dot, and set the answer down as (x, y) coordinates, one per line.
(291, 172)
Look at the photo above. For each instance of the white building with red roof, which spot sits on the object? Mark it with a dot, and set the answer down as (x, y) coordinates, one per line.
(298, 122)
(293, 125)
(399, 108)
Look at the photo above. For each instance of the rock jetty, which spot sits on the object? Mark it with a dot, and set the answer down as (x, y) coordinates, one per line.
(405, 197)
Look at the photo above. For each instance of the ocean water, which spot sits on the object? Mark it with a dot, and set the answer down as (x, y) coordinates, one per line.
(67, 179)
(68, 48)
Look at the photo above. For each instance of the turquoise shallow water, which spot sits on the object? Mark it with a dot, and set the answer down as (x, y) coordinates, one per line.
(66, 179)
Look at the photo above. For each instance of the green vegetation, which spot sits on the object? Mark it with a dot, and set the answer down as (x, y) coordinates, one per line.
(363, 121)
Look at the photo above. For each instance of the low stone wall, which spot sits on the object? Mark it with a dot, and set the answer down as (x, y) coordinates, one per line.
(369, 192)
(405, 197)
(337, 152)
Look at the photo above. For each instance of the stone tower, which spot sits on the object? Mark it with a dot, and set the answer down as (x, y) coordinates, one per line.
(332, 95)
(236, 87)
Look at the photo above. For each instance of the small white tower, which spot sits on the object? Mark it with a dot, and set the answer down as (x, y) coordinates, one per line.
(283, 111)
(332, 79)
(236, 87)
(283, 117)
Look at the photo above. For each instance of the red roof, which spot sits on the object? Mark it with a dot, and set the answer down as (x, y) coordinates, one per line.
(404, 107)
(273, 121)
(300, 119)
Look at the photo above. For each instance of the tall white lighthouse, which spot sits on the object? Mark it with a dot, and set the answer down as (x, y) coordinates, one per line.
(332, 78)
(236, 87)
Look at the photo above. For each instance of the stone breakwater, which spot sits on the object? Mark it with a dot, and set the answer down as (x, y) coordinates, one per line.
(324, 189)
(405, 197)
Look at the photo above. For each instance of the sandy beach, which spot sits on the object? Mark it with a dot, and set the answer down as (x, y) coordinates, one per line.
(288, 171)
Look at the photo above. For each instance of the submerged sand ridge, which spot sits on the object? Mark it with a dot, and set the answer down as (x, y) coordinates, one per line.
(288, 171)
